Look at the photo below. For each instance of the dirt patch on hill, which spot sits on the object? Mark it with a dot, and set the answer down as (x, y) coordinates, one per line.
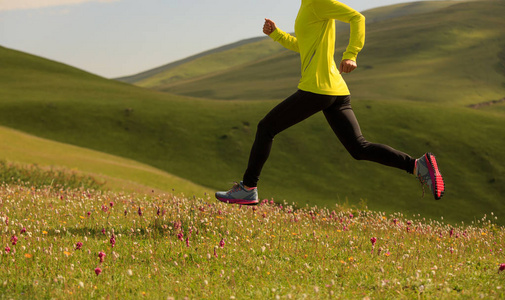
(487, 103)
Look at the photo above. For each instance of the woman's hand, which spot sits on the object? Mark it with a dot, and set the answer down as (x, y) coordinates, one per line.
(347, 66)
(269, 27)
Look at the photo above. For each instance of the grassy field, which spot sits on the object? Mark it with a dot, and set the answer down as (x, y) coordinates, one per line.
(106, 188)
(91, 244)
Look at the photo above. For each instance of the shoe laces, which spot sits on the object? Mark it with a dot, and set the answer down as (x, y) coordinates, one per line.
(235, 188)
(423, 182)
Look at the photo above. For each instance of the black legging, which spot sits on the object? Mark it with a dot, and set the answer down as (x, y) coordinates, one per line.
(340, 116)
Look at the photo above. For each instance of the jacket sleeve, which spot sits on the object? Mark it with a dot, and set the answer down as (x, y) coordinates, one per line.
(285, 39)
(331, 9)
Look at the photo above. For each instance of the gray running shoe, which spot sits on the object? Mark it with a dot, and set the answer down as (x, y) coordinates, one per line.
(238, 194)
(428, 174)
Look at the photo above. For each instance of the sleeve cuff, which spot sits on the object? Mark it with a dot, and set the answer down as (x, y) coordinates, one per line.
(350, 56)
(276, 34)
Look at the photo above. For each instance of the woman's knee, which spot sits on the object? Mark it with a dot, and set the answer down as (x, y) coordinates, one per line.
(265, 128)
(358, 149)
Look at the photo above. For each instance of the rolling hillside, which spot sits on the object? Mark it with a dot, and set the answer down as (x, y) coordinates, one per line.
(188, 138)
(200, 64)
(426, 51)
(207, 142)
(117, 173)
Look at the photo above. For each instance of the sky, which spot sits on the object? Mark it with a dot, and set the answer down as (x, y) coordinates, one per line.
(114, 38)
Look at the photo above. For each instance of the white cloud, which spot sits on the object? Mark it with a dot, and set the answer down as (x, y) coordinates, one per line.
(33, 4)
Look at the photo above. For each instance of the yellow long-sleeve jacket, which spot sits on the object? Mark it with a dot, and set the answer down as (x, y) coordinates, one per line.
(315, 41)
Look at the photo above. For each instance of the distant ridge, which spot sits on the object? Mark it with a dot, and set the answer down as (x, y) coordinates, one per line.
(155, 78)
(427, 56)
(152, 72)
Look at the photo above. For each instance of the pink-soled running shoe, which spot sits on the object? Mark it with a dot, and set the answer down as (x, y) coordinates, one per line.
(239, 194)
(426, 170)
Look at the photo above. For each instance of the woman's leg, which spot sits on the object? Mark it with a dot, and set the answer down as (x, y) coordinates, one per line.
(342, 120)
(291, 111)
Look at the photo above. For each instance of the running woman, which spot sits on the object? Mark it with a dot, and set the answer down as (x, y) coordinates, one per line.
(322, 88)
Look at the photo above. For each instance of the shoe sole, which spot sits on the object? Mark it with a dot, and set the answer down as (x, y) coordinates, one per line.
(238, 201)
(436, 178)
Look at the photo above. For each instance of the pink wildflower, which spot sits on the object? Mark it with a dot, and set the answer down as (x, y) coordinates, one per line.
(177, 225)
(78, 246)
(221, 243)
(98, 271)
(14, 240)
(111, 204)
(7, 249)
(187, 241)
(23, 230)
(103, 230)
(140, 211)
(502, 267)
(351, 216)
(89, 213)
(101, 255)
(373, 240)
(112, 240)
(180, 236)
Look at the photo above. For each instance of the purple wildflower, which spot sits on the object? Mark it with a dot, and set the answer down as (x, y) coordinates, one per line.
(112, 240)
(101, 255)
(502, 267)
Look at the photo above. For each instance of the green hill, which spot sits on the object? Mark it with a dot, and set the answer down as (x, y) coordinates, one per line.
(207, 142)
(117, 173)
(189, 138)
(203, 63)
(450, 54)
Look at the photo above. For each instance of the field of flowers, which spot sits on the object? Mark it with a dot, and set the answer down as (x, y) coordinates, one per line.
(79, 243)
